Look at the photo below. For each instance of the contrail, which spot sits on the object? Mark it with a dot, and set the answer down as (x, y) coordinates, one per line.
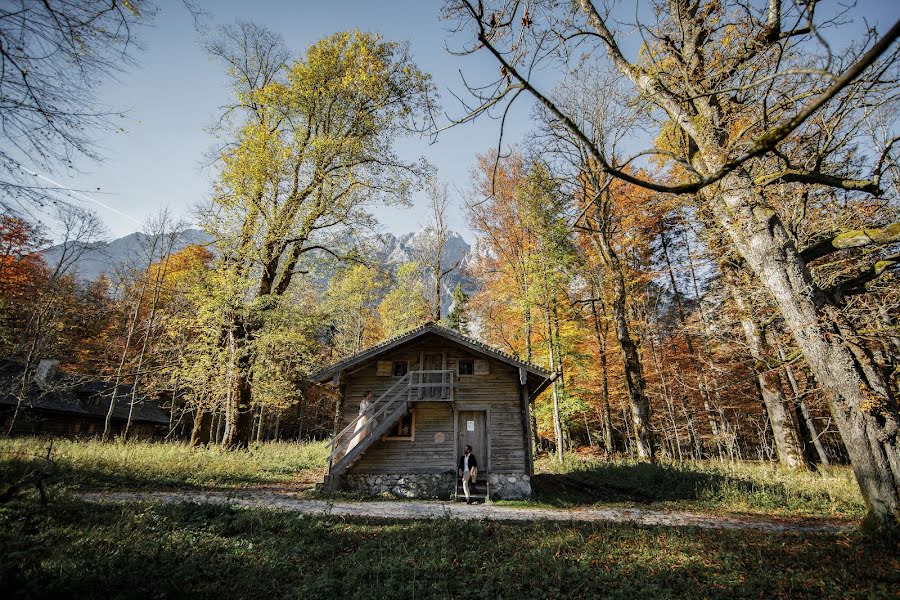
(83, 196)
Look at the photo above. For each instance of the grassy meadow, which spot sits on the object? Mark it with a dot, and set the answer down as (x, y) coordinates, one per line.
(582, 480)
(79, 549)
(740, 488)
(76, 548)
(92, 465)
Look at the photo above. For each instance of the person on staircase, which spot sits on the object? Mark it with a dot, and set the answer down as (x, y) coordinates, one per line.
(468, 471)
(364, 425)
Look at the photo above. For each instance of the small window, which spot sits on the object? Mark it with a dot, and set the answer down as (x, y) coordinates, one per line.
(401, 368)
(466, 366)
(405, 428)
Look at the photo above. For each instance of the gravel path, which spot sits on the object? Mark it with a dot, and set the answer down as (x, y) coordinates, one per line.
(437, 509)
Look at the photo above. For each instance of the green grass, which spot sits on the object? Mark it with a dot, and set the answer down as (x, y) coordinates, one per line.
(79, 549)
(755, 488)
(75, 548)
(95, 465)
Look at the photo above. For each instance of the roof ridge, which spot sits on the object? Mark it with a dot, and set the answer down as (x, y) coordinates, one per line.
(433, 326)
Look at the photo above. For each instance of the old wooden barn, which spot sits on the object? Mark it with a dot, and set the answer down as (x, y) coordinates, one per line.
(433, 391)
(72, 405)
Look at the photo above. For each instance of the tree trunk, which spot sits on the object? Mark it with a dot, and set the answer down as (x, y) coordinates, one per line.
(239, 410)
(259, 424)
(202, 429)
(781, 418)
(808, 425)
(634, 377)
(557, 424)
(861, 403)
(608, 441)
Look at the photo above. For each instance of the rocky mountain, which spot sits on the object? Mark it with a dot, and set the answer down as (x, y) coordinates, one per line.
(390, 250)
(108, 258)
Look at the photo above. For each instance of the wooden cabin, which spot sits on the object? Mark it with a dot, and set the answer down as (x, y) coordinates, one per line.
(60, 404)
(433, 392)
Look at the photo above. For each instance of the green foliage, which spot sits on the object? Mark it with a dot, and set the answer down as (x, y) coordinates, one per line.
(188, 550)
(351, 303)
(286, 351)
(96, 465)
(405, 306)
(457, 317)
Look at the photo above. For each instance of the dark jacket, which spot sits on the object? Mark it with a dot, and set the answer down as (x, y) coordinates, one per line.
(472, 461)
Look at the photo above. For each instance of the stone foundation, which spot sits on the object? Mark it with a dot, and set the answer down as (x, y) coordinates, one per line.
(407, 485)
(503, 486)
(509, 486)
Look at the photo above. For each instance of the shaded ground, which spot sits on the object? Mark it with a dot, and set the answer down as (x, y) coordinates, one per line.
(457, 510)
(74, 548)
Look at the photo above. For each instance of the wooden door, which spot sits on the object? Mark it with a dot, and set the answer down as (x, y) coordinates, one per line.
(471, 431)
(433, 362)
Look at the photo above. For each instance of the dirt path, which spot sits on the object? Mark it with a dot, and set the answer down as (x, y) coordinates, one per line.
(437, 509)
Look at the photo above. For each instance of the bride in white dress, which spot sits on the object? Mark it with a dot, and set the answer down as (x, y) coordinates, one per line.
(362, 425)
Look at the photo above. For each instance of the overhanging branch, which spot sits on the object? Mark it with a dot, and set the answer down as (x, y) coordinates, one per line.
(852, 239)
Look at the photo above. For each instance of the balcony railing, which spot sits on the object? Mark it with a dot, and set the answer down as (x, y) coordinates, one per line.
(432, 385)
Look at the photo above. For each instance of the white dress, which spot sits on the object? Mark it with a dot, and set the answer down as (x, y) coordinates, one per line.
(361, 429)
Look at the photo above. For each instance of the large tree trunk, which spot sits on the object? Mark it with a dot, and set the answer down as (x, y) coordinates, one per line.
(202, 429)
(239, 408)
(861, 403)
(634, 377)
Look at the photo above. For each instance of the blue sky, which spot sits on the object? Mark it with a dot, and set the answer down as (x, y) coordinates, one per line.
(176, 90)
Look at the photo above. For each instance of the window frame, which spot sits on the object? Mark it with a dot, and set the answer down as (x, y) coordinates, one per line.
(395, 364)
(412, 429)
(469, 361)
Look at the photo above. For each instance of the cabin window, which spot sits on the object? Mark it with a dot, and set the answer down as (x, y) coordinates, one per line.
(400, 368)
(466, 366)
(405, 429)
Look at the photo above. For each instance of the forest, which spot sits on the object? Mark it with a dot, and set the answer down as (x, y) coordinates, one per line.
(699, 233)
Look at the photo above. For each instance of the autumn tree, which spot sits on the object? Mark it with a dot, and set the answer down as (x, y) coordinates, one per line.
(736, 83)
(314, 150)
(352, 305)
(49, 294)
(405, 305)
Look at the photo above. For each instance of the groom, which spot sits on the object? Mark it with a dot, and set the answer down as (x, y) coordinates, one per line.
(468, 470)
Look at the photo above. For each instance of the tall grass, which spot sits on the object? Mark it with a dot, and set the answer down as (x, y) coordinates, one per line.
(92, 464)
(747, 487)
(752, 487)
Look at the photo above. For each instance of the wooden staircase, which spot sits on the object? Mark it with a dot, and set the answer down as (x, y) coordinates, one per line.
(381, 415)
(347, 447)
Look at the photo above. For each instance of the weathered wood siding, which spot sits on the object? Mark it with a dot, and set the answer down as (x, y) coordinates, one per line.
(498, 391)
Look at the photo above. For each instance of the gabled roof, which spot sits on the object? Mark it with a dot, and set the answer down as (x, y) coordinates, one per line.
(446, 333)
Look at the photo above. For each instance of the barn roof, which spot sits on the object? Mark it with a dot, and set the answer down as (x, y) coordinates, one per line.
(75, 395)
(535, 372)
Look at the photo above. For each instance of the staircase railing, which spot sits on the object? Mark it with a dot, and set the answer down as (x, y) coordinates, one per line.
(380, 403)
(405, 389)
